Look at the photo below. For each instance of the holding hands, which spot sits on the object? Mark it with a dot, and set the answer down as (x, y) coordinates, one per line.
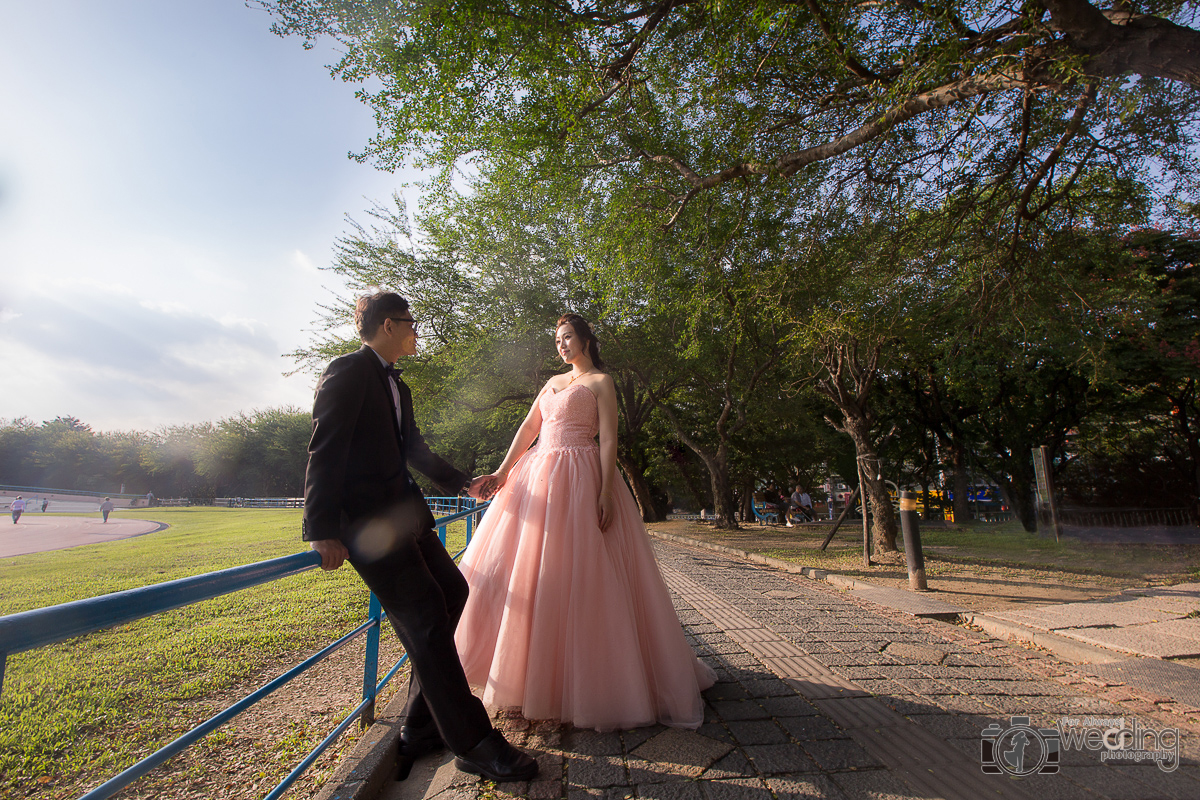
(484, 487)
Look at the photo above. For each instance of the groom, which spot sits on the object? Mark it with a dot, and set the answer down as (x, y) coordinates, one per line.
(362, 505)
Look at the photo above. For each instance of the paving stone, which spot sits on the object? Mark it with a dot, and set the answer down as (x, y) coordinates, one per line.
(927, 687)
(878, 660)
(860, 672)
(741, 659)
(875, 785)
(758, 731)
(978, 689)
(545, 790)
(772, 687)
(456, 794)
(610, 793)
(899, 671)
(773, 759)
(804, 729)
(1108, 782)
(1055, 787)
(1169, 784)
(971, 660)
(969, 746)
(643, 772)
(1020, 705)
(595, 771)
(841, 660)
(734, 765)
(726, 691)
(635, 737)
(840, 754)
(882, 686)
(808, 787)
(592, 743)
(735, 789)
(715, 730)
(994, 674)
(739, 709)
(686, 751)
(962, 704)
(952, 726)
(941, 672)
(680, 790)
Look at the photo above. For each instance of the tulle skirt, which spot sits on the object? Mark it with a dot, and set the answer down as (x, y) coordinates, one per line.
(566, 621)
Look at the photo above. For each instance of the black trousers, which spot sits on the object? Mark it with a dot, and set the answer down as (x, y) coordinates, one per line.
(420, 587)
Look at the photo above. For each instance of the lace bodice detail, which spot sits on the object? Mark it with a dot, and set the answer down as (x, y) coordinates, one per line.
(570, 418)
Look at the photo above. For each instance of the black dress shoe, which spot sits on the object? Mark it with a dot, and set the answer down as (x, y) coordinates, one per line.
(495, 759)
(416, 742)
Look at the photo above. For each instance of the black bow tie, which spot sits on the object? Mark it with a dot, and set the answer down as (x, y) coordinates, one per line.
(392, 372)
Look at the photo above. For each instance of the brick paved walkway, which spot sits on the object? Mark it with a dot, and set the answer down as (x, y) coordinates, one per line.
(821, 694)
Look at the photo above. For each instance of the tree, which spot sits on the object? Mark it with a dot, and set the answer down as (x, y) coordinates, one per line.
(1158, 352)
(1006, 107)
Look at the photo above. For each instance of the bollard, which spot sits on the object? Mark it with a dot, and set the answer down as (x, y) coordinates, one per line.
(912, 542)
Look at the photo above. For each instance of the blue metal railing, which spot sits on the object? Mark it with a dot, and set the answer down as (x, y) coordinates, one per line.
(43, 626)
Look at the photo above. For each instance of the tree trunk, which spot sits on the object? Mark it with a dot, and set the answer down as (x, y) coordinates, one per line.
(848, 382)
(722, 491)
(1019, 499)
(961, 483)
(640, 487)
(883, 513)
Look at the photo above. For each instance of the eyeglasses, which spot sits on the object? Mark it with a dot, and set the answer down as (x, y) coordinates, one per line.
(409, 320)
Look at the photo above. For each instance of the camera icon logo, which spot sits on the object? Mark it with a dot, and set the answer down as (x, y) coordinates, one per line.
(1019, 749)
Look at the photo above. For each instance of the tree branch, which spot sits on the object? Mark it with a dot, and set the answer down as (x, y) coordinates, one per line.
(1143, 44)
(852, 63)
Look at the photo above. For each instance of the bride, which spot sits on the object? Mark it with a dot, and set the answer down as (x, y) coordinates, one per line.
(568, 617)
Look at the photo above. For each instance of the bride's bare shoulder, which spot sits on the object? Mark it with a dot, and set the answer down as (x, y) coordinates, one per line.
(601, 382)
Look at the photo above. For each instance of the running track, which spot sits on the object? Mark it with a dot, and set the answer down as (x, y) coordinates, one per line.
(36, 533)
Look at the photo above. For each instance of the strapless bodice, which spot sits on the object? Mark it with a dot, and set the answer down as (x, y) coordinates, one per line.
(570, 418)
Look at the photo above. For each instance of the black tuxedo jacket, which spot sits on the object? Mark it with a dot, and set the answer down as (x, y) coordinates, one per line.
(359, 457)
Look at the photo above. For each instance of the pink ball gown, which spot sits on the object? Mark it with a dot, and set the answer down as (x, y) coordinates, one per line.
(566, 621)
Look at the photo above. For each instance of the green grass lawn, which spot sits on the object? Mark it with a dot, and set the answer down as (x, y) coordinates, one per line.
(88, 707)
(997, 544)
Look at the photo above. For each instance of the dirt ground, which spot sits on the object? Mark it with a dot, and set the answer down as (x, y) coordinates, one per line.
(969, 577)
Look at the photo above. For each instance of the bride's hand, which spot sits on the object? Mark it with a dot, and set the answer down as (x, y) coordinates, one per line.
(606, 511)
(495, 481)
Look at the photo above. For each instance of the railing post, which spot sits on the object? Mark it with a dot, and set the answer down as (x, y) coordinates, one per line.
(442, 534)
(371, 664)
(470, 524)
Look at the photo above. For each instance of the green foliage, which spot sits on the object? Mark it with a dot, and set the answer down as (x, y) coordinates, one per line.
(257, 454)
(880, 103)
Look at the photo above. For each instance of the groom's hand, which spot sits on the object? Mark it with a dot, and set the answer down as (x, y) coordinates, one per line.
(482, 487)
(333, 552)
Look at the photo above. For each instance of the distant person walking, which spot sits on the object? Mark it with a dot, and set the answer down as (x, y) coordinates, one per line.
(45, 504)
(18, 507)
(106, 508)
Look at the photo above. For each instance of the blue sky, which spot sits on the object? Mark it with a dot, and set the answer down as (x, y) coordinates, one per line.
(172, 177)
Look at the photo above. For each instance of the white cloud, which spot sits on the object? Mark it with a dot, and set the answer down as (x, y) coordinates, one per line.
(114, 361)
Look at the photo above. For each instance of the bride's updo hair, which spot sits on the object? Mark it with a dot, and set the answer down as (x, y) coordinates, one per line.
(584, 331)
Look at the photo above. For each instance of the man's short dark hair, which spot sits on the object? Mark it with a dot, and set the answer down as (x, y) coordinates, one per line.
(372, 309)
